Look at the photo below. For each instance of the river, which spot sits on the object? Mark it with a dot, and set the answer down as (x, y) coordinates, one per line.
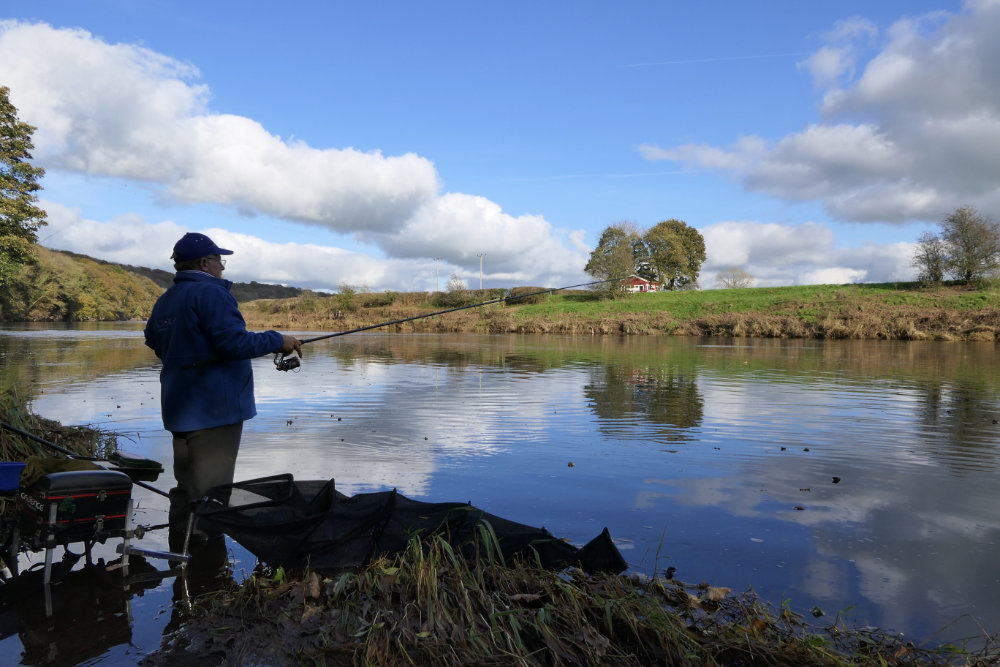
(856, 478)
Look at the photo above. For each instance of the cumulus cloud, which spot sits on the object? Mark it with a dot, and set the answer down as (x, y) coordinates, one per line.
(132, 240)
(911, 137)
(804, 254)
(125, 111)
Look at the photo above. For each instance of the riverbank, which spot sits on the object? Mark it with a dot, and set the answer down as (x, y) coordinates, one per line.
(428, 606)
(896, 311)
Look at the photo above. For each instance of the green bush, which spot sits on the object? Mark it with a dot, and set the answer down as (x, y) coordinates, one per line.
(520, 296)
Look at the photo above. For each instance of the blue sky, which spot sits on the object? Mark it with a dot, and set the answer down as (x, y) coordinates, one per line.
(327, 143)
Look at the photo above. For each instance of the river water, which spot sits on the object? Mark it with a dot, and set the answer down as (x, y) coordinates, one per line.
(849, 477)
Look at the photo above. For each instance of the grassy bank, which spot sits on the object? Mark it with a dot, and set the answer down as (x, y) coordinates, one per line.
(903, 311)
(429, 607)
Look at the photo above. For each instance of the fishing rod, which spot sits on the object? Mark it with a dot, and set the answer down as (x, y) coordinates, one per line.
(283, 362)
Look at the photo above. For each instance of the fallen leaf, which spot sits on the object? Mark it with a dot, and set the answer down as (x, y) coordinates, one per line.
(716, 594)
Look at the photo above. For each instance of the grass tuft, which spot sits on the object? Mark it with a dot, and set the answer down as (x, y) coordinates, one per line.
(429, 606)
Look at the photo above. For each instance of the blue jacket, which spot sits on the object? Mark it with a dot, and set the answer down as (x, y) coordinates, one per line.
(197, 330)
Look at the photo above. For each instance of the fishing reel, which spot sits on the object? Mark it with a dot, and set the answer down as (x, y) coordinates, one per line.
(283, 363)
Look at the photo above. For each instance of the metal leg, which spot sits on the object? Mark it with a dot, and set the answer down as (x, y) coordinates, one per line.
(127, 538)
(50, 542)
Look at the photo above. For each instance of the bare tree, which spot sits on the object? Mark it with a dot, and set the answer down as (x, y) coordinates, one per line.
(931, 258)
(734, 278)
(973, 244)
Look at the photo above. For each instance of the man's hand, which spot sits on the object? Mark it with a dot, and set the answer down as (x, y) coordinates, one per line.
(290, 344)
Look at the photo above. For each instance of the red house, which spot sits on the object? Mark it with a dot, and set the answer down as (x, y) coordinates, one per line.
(636, 284)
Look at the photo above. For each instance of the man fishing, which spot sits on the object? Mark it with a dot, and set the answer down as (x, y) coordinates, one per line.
(206, 383)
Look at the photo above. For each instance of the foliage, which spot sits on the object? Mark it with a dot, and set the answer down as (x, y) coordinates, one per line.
(19, 217)
(456, 296)
(675, 252)
(522, 296)
(615, 256)
(379, 299)
(735, 278)
(670, 253)
(967, 248)
(344, 298)
(64, 287)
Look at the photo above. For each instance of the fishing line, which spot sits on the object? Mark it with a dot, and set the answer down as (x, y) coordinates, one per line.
(286, 363)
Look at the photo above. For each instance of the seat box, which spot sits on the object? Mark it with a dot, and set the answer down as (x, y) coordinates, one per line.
(88, 505)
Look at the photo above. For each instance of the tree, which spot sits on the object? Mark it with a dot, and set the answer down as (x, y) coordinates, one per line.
(676, 252)
(967, 249)
(19, 217)
(931, 258)
(734, 278)
(973, 244)
(615, 256)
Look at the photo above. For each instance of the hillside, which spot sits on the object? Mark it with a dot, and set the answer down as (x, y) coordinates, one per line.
(65, 286)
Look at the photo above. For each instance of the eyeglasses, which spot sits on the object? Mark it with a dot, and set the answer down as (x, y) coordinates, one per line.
(221, 261)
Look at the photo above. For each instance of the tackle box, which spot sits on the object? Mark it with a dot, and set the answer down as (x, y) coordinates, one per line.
(10, 475)
(75, 506)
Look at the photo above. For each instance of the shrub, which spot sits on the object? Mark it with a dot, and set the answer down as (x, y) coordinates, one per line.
(520, 296)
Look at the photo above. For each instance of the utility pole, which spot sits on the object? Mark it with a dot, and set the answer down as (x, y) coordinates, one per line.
(481, 255)
(437, 273)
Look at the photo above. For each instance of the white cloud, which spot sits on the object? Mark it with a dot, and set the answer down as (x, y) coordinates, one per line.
(840, 55)
(125, 111)
(800, 255)
(911, 138)
(131, 240)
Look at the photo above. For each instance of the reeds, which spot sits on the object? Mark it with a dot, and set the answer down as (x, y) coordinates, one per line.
(429, 606)
(13, 447)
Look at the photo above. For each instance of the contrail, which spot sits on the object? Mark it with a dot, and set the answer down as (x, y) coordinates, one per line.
(713, 60)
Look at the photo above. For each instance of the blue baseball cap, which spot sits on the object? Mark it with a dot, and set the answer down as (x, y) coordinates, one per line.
(194, 245)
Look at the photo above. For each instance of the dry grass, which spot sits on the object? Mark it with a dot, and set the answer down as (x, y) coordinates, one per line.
(903, 312)
(429, 606)
(79, 439)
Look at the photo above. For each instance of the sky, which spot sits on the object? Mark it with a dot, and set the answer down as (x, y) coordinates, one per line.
(393, 145)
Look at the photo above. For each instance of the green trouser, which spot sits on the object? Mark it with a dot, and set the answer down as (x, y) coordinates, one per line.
(202, 459)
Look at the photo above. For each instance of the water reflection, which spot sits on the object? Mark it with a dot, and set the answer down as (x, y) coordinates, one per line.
(838, 474)
(662, 396)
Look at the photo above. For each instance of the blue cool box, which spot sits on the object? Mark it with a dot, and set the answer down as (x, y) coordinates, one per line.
(10, 475)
